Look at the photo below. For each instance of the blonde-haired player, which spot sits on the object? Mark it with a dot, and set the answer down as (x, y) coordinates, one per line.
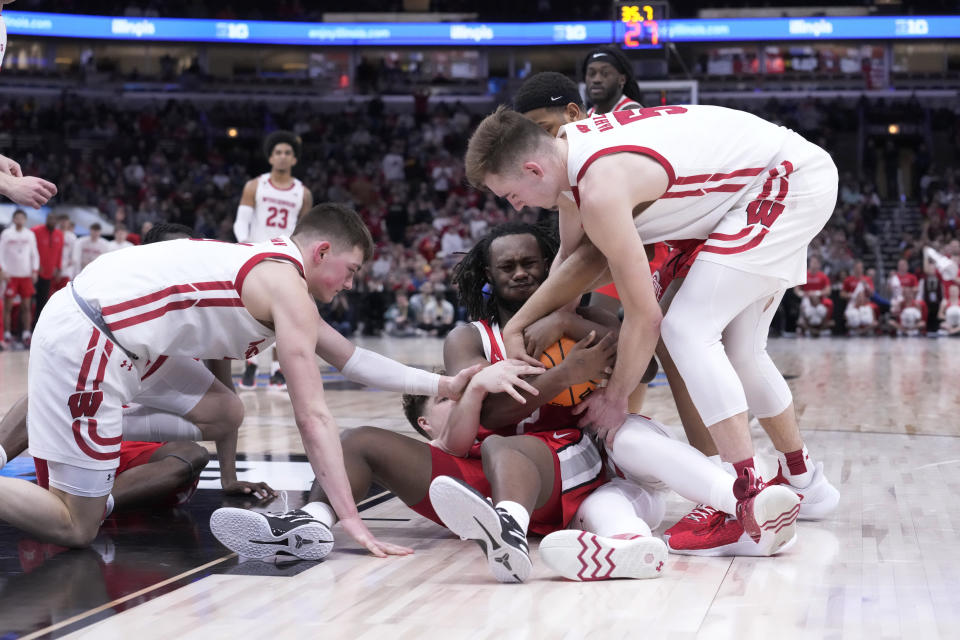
(269, 208)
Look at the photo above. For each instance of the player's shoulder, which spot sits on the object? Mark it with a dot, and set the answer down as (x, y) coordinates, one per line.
(465, 337)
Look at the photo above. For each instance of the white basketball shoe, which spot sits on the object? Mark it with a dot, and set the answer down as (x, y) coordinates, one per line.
(584, 556)
(818, 499)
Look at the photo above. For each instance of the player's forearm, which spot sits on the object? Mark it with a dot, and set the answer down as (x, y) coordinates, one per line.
(373, 369)
(227, 457)
(500, 410)
(636, 345)
(321, 441)
(460, 431)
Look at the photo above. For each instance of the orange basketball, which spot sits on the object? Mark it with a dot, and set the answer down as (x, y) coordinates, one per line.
(553, 356)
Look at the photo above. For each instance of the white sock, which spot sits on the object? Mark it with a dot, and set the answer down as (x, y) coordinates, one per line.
(518, 512)
(3, 457)
(721, 496)
(322, 512)
(25, 335)
(799, 480)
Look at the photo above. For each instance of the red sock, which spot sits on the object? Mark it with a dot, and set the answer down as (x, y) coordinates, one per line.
(796, 462)
(743, 464)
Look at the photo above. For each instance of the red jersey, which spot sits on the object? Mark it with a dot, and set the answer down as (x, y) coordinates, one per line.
(850, 283)
(816, 281)
(50, 247)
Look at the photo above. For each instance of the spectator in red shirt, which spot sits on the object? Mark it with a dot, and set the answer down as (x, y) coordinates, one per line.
(857, 280)
(816, 307)
(50, 246)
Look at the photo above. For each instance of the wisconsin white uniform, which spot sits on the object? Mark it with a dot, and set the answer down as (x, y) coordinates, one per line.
(757, 192)
(276, 211)
(145, 308)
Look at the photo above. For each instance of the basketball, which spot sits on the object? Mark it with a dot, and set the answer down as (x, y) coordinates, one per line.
(553, 356)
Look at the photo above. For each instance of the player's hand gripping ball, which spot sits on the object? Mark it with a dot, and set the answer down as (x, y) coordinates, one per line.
(554, 355)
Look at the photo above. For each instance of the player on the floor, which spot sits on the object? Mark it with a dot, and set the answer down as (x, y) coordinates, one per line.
(19, 265)
(513, 259)
(165, 472)
(611, 84)
(704, 181)
(127, 309)
(269, 207)
(535, 99)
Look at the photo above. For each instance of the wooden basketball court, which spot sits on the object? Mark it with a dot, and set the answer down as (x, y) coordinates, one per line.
(882, 414)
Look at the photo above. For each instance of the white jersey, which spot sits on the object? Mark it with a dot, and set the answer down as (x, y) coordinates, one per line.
(718, 161)
(68, 267)
(276, 211)
(87, 250)
(182, 297)
(19, 257)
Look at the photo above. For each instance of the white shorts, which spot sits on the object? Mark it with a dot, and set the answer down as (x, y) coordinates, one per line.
(769, 227)
(78, 383)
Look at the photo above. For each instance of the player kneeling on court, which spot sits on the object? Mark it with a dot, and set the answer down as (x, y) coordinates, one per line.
(96, 340)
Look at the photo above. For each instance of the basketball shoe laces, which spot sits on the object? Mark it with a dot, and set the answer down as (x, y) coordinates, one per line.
(700, 513)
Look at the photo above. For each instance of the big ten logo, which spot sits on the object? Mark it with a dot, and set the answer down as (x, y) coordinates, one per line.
(570, 32)
(85, 403)
(233, 30)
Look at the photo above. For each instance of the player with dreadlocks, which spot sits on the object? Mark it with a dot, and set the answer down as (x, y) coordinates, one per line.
(611, 84)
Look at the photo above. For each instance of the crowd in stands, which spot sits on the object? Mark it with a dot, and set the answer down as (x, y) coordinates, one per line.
(173, 162)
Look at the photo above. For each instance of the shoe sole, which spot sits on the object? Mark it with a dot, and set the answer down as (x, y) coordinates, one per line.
(248, 534)
(585, 557)
(775, 509)
(473, 518)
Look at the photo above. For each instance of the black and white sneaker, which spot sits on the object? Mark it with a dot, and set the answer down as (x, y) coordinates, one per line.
(261, 535)
(471, 516)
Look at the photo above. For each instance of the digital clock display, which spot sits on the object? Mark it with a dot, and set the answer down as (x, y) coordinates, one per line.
(638, 25)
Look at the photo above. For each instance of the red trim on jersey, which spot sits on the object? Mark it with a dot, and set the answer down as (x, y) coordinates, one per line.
(727, 236)
(153, 369)
(624, 101)
(95, 437)
(221, 285)
(630, 148)
(292, 185)
(177, 305)
(252, 262)
(757, 239)
(495, 354)
(87, 360)
(732, 187)
(714, 177)
(104, 356)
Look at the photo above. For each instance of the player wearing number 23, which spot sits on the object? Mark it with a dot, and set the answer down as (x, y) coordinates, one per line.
(272, 202)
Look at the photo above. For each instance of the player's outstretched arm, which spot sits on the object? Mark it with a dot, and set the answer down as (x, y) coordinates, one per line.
(26, 191)
(607, 213)
(367, 367)
(460, 431)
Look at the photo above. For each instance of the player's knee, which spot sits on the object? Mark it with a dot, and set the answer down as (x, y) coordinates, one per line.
(493, 446)
(233, 411)
(196, 455)
(78, 535)
(675, 335)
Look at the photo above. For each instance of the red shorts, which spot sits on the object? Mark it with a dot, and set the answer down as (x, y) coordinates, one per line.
(676, 265)
(132, 454)
(553, 516)
(669, 261)
(22, 287)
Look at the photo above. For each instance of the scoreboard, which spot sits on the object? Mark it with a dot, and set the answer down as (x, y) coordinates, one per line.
(638, 25)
